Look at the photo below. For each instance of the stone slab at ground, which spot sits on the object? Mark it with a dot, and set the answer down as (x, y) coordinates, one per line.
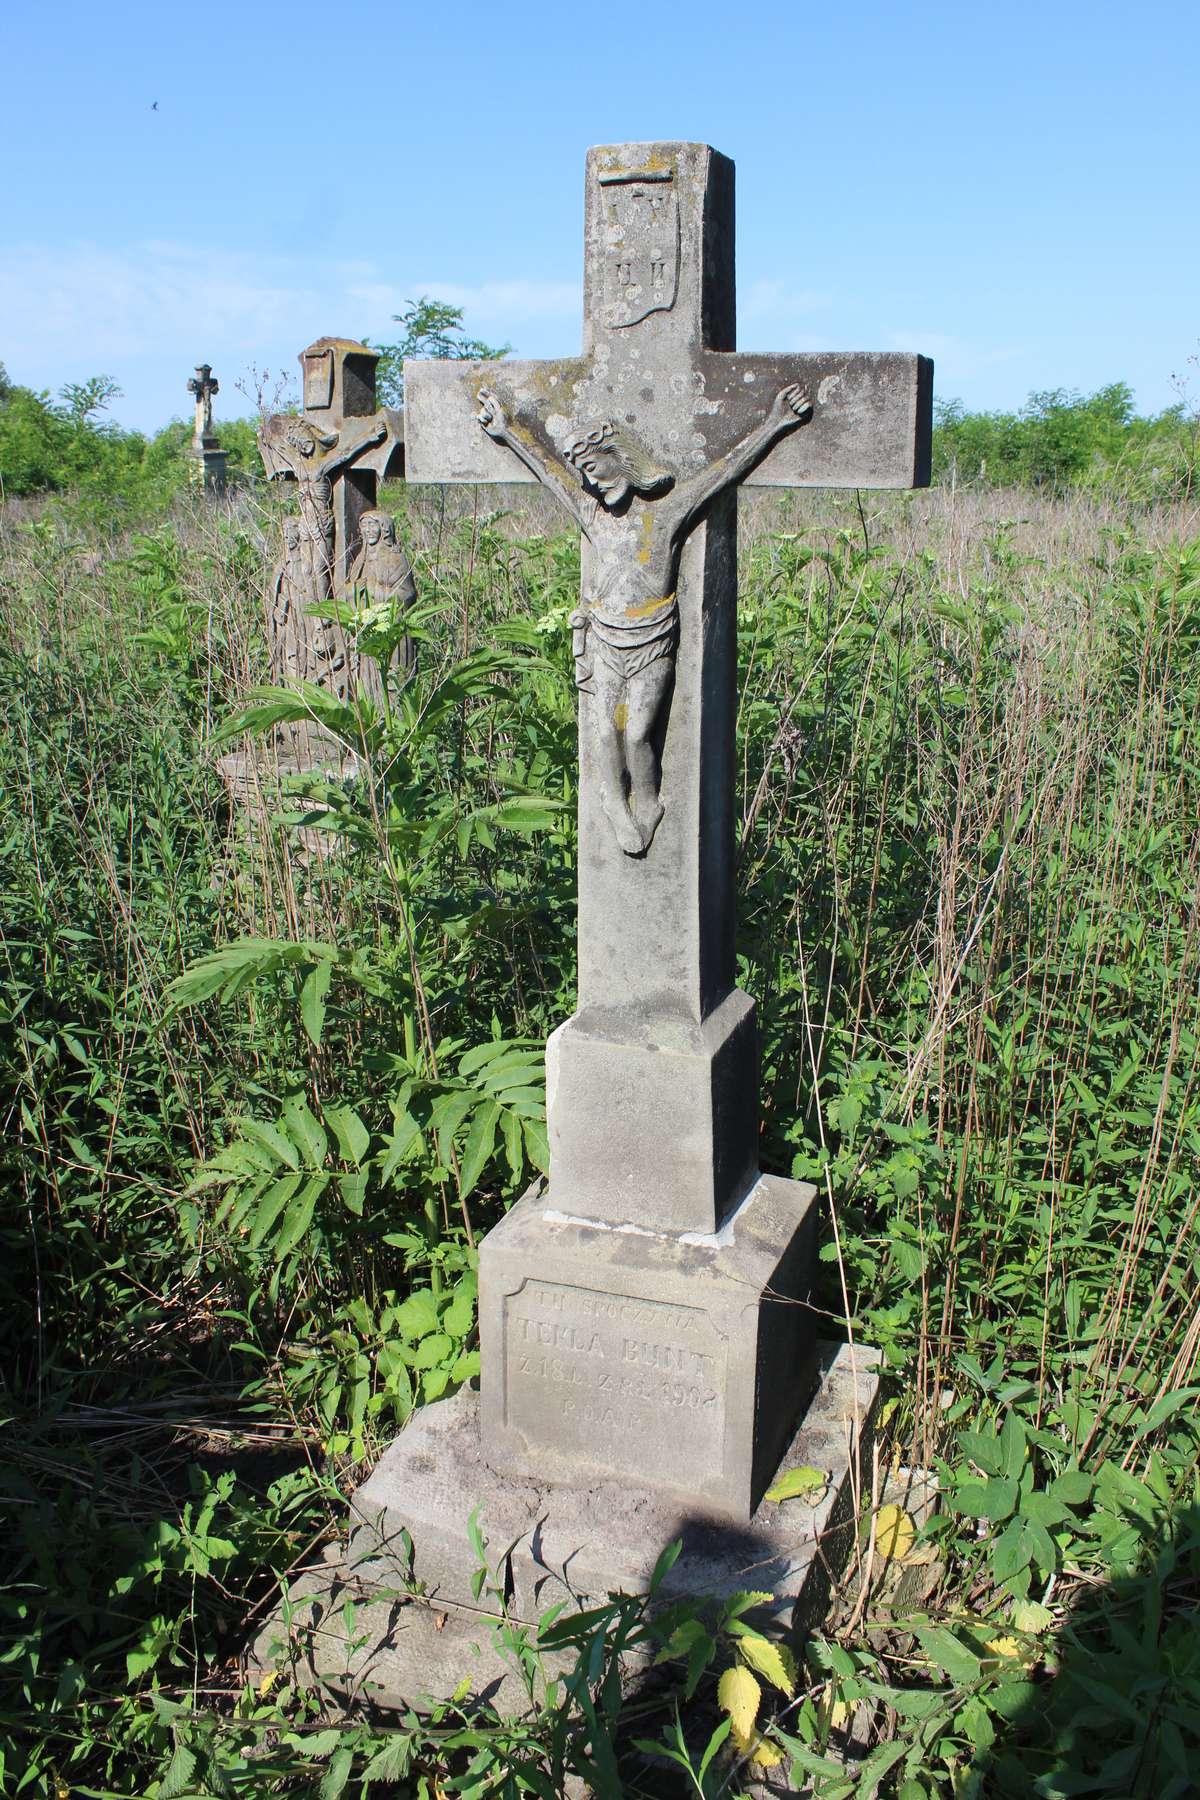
(548, 1544)
(550, 1541)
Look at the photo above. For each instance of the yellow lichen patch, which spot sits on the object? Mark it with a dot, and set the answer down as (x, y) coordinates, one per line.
(620, 715)
(648, 606)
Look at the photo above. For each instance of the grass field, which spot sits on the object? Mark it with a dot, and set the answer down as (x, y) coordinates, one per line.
(259, 1102)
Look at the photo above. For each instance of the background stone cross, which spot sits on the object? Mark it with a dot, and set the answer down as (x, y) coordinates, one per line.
(643, 438)
(335, 451)
(203, 384)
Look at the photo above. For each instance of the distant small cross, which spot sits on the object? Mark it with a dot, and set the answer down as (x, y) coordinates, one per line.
(203, 384)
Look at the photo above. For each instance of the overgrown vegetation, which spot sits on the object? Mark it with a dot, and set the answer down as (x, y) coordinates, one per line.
(259, 1102)
(1062, 439)
(65, 445)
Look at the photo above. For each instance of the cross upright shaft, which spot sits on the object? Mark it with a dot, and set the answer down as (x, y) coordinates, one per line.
(644, 439)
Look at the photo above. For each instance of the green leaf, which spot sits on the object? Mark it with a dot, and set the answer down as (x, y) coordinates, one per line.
(1012, 1446)
(273, 1140)
(1073, 1487)
(432, 1350)
(993, 1499)
(312, 1000)
(404, 1142)
(305, 1129)
(478, 1148)
(352, 1136)
(270, 1207)
(797, 1482)
(537, 1145)
(944, 1649)
(337, 1774)
(417, 1315)
(459, 1316)
(354, 1190)
(298, 1217)
(448, 1112)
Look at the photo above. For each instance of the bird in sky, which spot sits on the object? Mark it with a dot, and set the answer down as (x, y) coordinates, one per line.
(154, 106)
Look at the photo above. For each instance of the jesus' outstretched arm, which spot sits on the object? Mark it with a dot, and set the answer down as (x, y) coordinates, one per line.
(790, 409)
(538, 461)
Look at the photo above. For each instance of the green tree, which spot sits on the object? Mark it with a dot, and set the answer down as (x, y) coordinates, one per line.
(432, 328)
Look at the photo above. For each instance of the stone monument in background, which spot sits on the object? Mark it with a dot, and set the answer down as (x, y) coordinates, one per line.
(209, 460)
(648, 1342)
(335, 451)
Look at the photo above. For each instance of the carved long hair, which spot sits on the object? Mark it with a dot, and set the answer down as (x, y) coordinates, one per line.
(631, 457)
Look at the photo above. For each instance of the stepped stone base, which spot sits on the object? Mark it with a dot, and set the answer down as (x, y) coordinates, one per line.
(551, 1543)
(414, 1630)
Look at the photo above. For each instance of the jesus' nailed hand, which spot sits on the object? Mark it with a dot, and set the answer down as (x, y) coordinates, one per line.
(636, 518)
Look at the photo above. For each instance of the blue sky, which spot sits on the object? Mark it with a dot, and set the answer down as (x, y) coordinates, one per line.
(1010, 189)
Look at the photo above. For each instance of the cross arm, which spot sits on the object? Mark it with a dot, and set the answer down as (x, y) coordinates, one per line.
(871, 424)
(444, 440)
(379, 454)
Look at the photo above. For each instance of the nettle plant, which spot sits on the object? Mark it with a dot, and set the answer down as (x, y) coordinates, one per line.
(385, 1135)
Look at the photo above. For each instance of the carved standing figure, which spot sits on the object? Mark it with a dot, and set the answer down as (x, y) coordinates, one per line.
(288, 654)
(636, 519)
(382, 572)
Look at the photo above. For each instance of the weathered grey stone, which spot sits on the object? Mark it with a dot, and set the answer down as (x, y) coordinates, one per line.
(381, 574)
(647, 1319)
(699, 1081)
(680, 1360)
(551, 1541)
(209, 458)
(643, 439)
(387, 1647)
(335, 451)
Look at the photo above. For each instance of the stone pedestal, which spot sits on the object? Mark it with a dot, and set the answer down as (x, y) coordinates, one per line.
(208, 466)
(681, 1361)
(654, 1117)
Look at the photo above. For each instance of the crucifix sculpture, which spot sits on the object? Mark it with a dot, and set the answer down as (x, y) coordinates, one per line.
(335, 451)
(644, 439)
(208, 458)
(645, 1319)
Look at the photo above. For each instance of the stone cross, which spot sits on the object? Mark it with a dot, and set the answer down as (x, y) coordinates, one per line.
(335, 451)
(646, 1316)
(203, 385)
(643, 439)
(209, 459)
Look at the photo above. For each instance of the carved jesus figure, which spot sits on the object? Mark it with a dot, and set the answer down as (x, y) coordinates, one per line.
(296, 447)
(636, 519)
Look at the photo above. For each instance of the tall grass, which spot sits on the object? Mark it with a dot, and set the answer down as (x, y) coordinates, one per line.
(969, 730)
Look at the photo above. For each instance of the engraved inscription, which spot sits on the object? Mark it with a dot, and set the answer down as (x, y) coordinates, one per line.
(642, 224)
(610, 1376)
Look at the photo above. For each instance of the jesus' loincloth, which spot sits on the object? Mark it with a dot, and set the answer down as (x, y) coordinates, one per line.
(627, 639)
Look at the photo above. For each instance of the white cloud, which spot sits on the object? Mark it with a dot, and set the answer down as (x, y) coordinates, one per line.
(146, 313)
